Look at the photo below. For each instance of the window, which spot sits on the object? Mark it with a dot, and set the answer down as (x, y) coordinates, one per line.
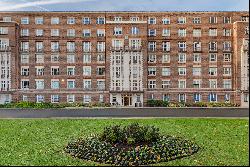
(24, 58)
(86, 20)
(24, 32)
(70, 46)
(6, 19)
(227, 97)
(71, 70)
(165, 84)
(151, 71)
(134, 19)
(54, 46)
(25, 84)
(117, 44)
(182, 97)
(55, 20)
(55, 84)
(70, 58)
(181, 84)
(151, 84)
(182, 58)
(54, 32)
(86, 33)
(87, 58)
(70, 84)
(39, 20)
(227, 84)
(87, 84)
(212, 97)
(182, 71)
(100, 20)
(24, 46)
(71, 20)
(166, 46)
(39, 58)
(151, 20)
(24, 20)
(70, 98)
(151, 46)
(196, 20)
(86, 46)
(182, 46)
(39, 84)
(166, 21)
(151, 58)
(134, 30)
(100, 46)
(227, 46)
(227, 57)
(197, 97)
(246, 97)
(165, 71)
(166, 32)
(213, 20)
(100, 58)
(54, 58)
(245, 18)
(213, 71)
(196, 83)
(181, 20)
(87, 70)
(212, 46)
(197, 46)
(101, 84)
(86, 99)
(39, 46)
(100, 71)
(182, 32)
(196, 71)
(196, 32)
(213, 32)
(226, 32)
(165, 58)
(39, 32)
(54, 98)
(71, 32)
(39, 98)
(247, 30)
(212, 83)
(135, 43)
(55, 70)
(152, 32)
(213, 57)
(25, 71)
(197, 58)
(117, 18)
(40, 71)
(226, 20)
(100, 32)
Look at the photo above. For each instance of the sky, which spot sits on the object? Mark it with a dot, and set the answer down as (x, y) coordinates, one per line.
(124, 5)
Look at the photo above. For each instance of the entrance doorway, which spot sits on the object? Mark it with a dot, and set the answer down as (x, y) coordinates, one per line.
(127, 100)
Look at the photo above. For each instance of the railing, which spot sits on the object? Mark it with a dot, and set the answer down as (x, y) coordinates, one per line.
(5, 48)
(126, 48)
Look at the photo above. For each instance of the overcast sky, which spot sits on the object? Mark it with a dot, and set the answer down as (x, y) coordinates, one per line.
(124, 5)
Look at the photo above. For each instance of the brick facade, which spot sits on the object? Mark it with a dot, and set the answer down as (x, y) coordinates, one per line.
(235, 23)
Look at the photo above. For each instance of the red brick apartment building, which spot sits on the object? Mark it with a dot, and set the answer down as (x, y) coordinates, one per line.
(124, 58)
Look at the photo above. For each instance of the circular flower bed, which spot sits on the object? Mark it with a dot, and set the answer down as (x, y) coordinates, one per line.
(131, 145)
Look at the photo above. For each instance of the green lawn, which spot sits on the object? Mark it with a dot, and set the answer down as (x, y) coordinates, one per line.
(41, 141)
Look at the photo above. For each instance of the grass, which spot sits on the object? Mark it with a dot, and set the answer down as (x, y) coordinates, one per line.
(41, 141)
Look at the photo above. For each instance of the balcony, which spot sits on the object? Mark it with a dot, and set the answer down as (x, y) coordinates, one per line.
(227, 49)
(182, 49)
(126, 48)
(39, 50)
(55, 50)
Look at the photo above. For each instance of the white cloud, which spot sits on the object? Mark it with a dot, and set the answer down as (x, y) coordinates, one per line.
(6, 6)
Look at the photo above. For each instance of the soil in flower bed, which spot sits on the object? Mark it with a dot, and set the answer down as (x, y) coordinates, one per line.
(131, 146)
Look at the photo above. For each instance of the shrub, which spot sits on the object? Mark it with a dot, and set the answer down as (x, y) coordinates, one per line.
(104, 148)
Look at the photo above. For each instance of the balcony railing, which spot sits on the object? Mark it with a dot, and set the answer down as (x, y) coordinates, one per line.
(5, 48)
(197, 49)
(126, 48)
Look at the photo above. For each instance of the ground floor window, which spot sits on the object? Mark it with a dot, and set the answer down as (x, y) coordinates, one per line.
(197, 97)
(70, 98)
(39, 98)
(25, 98)
(212, 97)
(246, 97)
(227, 97)
(86, 99)
(182, 97)
(54, 98)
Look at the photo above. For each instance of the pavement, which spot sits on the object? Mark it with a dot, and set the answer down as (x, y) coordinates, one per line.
(125, 113)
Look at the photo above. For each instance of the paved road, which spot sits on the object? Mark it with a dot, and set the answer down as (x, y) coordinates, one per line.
(125, 112)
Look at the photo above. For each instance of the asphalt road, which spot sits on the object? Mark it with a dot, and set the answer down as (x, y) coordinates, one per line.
(125, 112)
